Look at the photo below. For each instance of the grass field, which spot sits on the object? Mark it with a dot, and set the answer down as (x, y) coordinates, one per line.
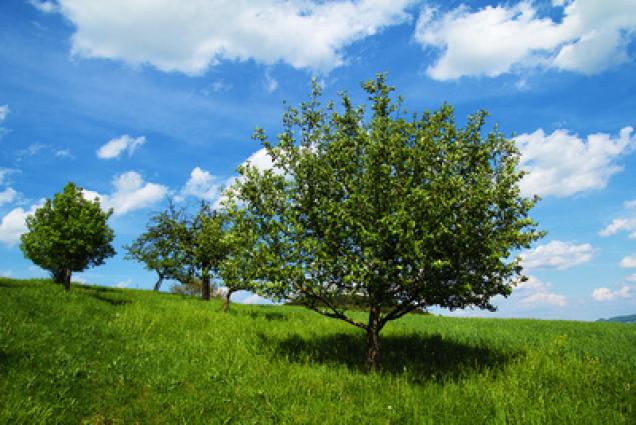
(99, 355)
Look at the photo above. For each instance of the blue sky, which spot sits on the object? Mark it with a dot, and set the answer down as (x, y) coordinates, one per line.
(136, 101)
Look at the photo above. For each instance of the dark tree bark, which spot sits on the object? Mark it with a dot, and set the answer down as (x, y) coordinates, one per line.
(67, 279)
(205, 285)
(373, 338)
(159, 282)
(226, 301)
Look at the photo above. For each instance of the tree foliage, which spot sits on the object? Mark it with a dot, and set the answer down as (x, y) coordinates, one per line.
(405, 211)
(238, 268)
(159, 247)
(68, 234)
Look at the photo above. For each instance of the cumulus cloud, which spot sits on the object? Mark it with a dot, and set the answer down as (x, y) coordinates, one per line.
(115, 147)
(629, 262)
(558, 254)
(606, 294)
(562, 164)
(7, 196)
(130, 193)
(260, 160)
(188, 37)
(631, 278)
(13, 224)
(630, 204)
(201, 184)
(591, 37)
(535, 293)
(620, 225)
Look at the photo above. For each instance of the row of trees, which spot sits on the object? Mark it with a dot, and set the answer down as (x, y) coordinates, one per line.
(399, 211)
(196, 250)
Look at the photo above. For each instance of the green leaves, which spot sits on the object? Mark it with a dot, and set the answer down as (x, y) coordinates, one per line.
(68, 233)
(406, 213)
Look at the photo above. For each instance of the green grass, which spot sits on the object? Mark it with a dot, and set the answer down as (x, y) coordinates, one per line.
(101, 355)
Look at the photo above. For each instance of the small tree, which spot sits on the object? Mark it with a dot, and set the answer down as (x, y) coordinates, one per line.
(237, 269)
(68, 234)
(201, 240)
(405, 212)
(158, 247)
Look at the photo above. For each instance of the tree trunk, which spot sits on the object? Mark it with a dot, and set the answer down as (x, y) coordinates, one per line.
(67, 279)
(226, 302)
(159, 282)
(373, 338)
(205, 285)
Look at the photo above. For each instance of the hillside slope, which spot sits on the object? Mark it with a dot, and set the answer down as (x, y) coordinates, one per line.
(103, 355)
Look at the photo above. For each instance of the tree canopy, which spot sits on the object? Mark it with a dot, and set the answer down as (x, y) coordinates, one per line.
(159, 246)
(406, 211)
(68, 234)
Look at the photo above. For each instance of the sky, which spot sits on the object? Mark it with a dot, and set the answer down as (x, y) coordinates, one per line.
(138, 101)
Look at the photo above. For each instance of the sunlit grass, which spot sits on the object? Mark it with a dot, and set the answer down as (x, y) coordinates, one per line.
(101, 355)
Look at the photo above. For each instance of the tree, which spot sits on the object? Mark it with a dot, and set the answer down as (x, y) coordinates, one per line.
(404, 211)
(201, 239)
(237, 269)
(68, 234)
(158, 247)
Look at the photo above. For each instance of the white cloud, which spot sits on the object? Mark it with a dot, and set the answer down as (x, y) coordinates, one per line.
(115, 147)
(562, 164)
(131, 193)
(270, 84)
(7, 196)
(124, 283)
(13, 224)
(630, 204)
(631, 278)
(606, 294)
(188, 37)
(260, 160)
(558, 254)
(629, 262)
(63, 153)
(618, 225)
(534, 293)
(6, 273)
(201, 184)
(255, 299)
(4, 111)
(591, 37)
(45, 6)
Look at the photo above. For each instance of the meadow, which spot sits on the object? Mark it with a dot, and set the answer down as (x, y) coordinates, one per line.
(99, 355)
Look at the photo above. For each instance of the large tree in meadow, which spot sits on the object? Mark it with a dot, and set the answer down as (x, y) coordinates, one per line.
(406, 211)
(68, 234)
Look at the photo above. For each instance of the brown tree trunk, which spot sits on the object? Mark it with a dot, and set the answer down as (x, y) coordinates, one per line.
(205, 285)
(373, 338)
(226, 301)
(159, 282)
(67, 279)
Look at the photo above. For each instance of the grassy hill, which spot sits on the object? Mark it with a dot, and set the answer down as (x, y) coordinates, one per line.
(101, 355)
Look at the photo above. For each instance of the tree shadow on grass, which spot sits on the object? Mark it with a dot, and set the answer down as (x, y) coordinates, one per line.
(107, 295)
(420, 358)
(269, 316)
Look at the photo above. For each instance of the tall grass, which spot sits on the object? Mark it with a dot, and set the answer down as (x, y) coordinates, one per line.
(101, 355)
